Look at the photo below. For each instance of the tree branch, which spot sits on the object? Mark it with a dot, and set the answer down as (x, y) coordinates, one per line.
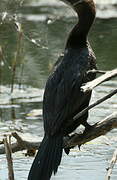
(111, 166)
(98, 129)
(95, 104)
(97, 71)
(92, 84)
(8, 152)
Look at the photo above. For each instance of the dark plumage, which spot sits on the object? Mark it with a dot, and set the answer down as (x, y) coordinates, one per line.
(63, 98)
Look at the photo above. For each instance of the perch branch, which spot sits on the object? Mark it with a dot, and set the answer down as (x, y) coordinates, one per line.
(111, 166)
(95, 103)
(97, 130)
(90, 85)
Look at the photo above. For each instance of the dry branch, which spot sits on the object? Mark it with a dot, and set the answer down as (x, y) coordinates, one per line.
(111, 166)
(95, 104)
(100, 128)
(90, 85)
(8, 152)
(97, 71)
(25, 144)
(20, 145)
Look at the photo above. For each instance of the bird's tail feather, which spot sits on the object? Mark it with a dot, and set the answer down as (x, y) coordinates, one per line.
(47, 159)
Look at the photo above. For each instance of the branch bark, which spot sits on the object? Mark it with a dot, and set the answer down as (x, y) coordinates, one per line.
(98, 129)
(97, 71)
(90, 85)
(8, 152)
(111, 166)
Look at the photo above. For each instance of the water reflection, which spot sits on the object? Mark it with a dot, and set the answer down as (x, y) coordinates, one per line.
(44, 34)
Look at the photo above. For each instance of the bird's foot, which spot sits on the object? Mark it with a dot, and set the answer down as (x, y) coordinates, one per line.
(88, 128)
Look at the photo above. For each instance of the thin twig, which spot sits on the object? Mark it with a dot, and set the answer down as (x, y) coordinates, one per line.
(9, 159)
(95, 103)
(17, 54)
(97, 71)
(111, 166)
(1, 64)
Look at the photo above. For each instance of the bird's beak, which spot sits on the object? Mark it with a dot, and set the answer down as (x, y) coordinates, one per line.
(76, 3)
(72, 4)
(65, 1)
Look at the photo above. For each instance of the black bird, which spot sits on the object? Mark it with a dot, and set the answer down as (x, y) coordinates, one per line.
(63, 97)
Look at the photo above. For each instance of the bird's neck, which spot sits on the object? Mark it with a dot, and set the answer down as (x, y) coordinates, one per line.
(78, 35)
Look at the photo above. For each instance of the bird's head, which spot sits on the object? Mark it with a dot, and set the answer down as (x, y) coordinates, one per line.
(79, 4)
(75, 3)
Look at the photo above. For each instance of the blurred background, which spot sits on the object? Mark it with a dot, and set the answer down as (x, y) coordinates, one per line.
(32, 36)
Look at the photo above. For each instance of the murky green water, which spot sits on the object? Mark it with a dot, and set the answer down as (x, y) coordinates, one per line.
(45, 30)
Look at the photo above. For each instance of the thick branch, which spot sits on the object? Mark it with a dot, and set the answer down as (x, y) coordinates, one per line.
(100, 128)
(90, 85)
(20, 144)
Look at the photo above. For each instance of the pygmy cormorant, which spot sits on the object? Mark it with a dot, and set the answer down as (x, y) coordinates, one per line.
(63, 97)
